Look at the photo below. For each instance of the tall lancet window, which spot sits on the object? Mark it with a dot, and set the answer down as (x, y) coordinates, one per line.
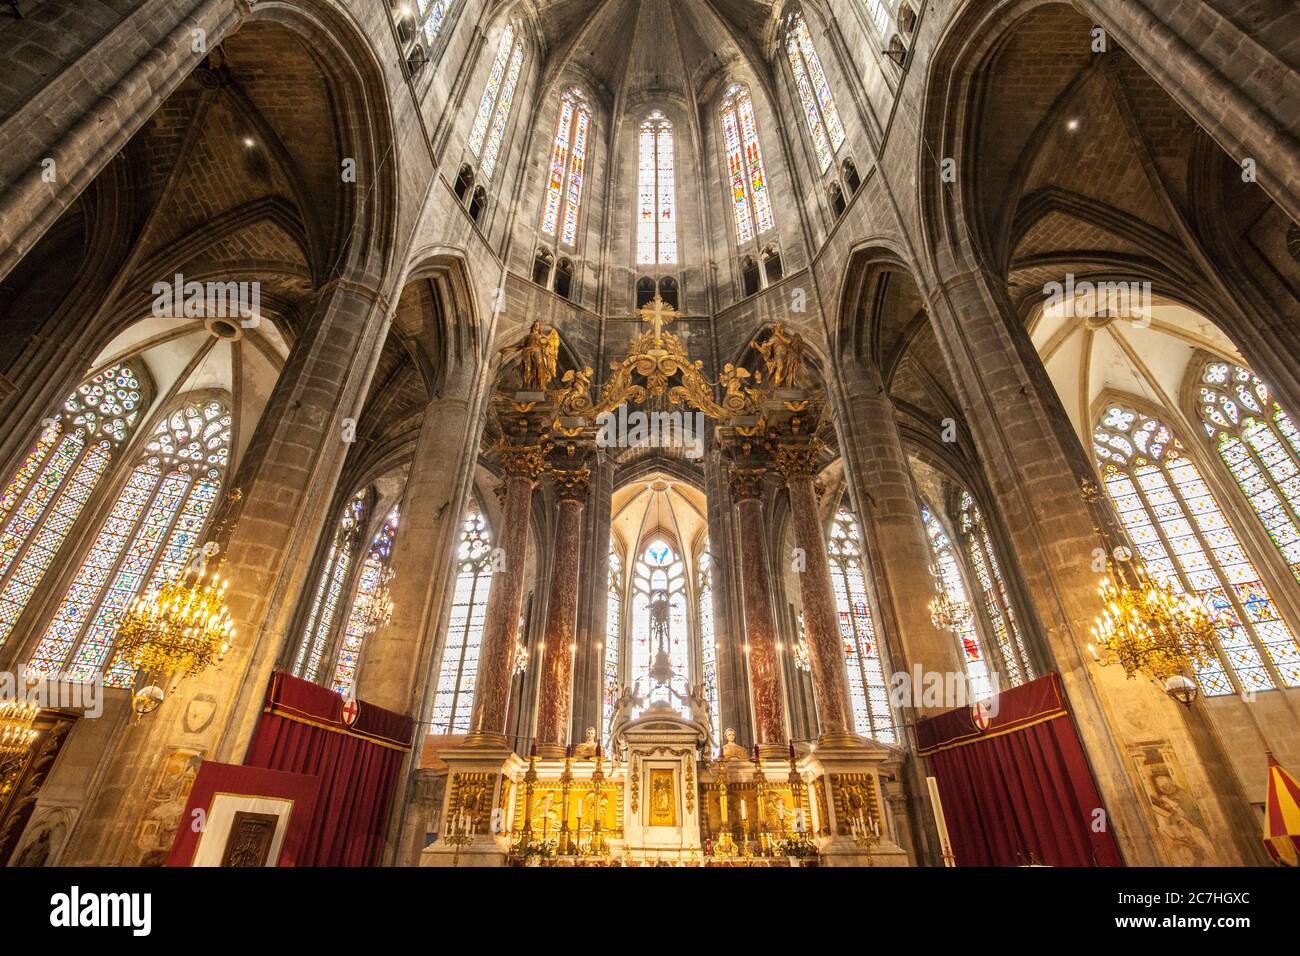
(867, 687)
(613, 637)
(954, 587)
(750, 202)
(997, 605)
(708, 642)
(1183, 535)
(329, 589)
(149, 535)
(881, 15)
(824, 126)
(431, 15)
(1259, 443)
(46, 495)
(656, 229)
(498, 96)
(361, 619)
(454, 698)
(659, 573)
(568, 161)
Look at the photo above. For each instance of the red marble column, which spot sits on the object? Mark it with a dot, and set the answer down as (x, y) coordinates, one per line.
(760, 628)
(501, 620)
(555, 695)
(820, 621)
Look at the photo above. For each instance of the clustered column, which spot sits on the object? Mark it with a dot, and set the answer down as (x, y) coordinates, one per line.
(821, 627)
(760, 628)
(523, 466)
(555, 701)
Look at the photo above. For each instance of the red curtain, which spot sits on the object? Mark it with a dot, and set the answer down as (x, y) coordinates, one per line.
(302, 731)
(1017, 790)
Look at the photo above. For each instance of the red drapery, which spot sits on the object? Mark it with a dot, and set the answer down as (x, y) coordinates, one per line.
(302, 731)
(1017, 790)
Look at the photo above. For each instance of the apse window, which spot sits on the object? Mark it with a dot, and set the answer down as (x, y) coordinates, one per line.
(656, 231)
(747, 179)
(568, 161)
(825, 128)
(498, 96)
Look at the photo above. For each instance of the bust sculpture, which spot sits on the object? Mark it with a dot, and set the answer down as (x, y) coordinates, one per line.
(587, 749)
(732, 750)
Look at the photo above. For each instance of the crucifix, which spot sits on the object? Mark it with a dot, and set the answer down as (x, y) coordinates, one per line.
(658, 313)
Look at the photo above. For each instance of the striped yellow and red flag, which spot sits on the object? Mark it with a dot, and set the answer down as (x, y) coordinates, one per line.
(1282, 815)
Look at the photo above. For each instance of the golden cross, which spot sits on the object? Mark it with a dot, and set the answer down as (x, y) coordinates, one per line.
(658, 313)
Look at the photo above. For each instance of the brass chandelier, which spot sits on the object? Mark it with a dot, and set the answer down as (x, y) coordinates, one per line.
(1148, 626)
(17, 733)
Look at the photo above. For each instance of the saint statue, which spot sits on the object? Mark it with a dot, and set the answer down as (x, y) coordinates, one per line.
(587, 749)
(732, 750)
(537, 355)
(783, 355)
(627, 701)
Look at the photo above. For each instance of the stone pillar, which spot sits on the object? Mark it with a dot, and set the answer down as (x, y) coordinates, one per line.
(523, 466)
(555, 693)
(396, 660)
(728, 630)
(760, 628)
(821, 624)
(593, 604)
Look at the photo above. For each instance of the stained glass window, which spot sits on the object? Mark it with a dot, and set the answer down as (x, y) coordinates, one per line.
(950, 579)
(708, 643)
(431, 15)
(660, 569)
(329, 589)
(361, 618)
(824, 125)
(454, 698)
(1184, 537)
(881, 15)
(751, 204)
(868, 689)
(1259, 443)
(498, 95)
(46, 495)
(150, 532)
(997, 605)
(656, 229)
(613, 637)
(568, 158)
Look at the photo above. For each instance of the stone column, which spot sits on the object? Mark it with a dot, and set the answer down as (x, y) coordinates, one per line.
(396, 660)
(760, 628)
(523, 465)
(880, 483)
(555, 693)
(821, 624)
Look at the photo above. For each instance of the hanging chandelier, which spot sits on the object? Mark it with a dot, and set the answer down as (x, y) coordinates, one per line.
(1148, 626)
(180, 630)
(378, 609)
(16, 731)
(949, 615)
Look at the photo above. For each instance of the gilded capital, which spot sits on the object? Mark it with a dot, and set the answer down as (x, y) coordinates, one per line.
(798, 461)
(572, 484)
(746, 483)
(523, 461)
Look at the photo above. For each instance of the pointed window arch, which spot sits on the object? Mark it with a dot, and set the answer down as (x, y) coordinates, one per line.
(329, 590)
(868, 689)
(370, 582)
(453, 698)
(950, 578)
(489, 128)
(656, 231)
(997, 604)
(149, 536)
(47, 494)
(1184, 537)
(659, 568)
(746, 177)
(824, 125)
(568, 161)
(613, 637)
(1259, 443)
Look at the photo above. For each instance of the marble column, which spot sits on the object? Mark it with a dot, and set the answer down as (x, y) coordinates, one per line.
(555, 694)
(821, 624)
(760, 628)
(523, 466)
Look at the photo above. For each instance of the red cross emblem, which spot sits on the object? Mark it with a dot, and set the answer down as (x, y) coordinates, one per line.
(979, 715)
(350, 711)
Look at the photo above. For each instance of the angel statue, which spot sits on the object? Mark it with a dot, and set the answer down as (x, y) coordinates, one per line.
(627, 701)
(538, 355)
(783, 356)
(576, 399)
(737, 396)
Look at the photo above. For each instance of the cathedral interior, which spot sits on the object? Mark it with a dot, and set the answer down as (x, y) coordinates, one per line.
(718, 433)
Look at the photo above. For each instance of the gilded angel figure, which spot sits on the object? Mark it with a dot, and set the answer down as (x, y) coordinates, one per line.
(783, 355)
(538, 354)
